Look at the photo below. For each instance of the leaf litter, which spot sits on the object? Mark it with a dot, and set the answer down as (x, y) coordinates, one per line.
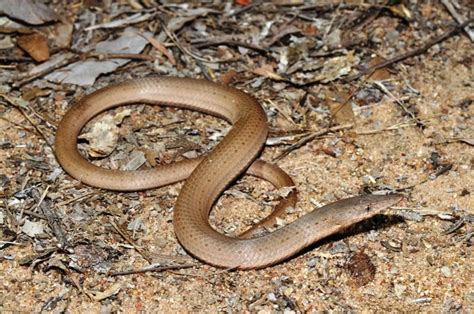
(370, 96)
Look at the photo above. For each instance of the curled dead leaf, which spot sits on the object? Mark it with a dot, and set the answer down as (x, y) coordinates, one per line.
(266, 70)
(36, 45)
(104, 134)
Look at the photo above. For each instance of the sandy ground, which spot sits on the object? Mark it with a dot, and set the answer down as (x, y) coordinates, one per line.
(409, 257)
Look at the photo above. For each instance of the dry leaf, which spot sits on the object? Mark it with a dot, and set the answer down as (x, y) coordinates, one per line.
(151, 156)
(85, 72)
(61, 35)
(402, 11)
(32, 228)
(266, 70)
(35, 92)
(340, 106)
(379, 74)
(31, 12)
(469, 141)
(227, 77)
(155, 43)
(36, 45)
(104, 134)
(102, 137)
(336, 67)
(102, 295)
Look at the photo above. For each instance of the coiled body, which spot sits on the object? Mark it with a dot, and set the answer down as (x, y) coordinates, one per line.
(207, 177)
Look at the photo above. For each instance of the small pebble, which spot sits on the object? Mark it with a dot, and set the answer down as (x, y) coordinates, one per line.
(271, 297)
(399, 289)
(446, 271)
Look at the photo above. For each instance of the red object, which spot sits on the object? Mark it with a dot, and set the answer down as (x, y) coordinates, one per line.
(243, 2)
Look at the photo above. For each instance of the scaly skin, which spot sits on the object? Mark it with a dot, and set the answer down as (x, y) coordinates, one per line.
(207, 177)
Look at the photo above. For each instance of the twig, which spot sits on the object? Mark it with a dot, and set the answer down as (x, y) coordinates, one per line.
(282, 112)
(390, 128)
(130, 241)
(25, 128)
(27, 117)
(409, 54)
(381, 87)
(37, 206)
(449, 6)
(28, 77)
(153, 267)
(133, 19)
(53, 220)
(455, 226)
(104, 55)
(178, 44)
(78, 56)
(34, 214)
(229, 42)
(79, 197)
(309, 138)
(10, 242)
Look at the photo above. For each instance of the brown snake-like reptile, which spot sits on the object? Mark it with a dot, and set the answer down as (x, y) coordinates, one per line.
(207, 177)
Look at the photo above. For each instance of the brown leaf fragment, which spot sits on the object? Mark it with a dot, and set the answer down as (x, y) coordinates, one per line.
(159, 46)
(379, 74)
(151, 156)
(227, 77)
(102, 295)
(55, 262)
(330, 151)
(360, 269)
(266, 70)
(35, 92)
(282, 32)
(61, 35)
(36, 45)
(36, 258)
(336, 67)
(340, 106)
(182, 144)
(93, 3)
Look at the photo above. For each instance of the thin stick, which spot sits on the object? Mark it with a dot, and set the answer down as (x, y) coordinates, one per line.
(79, 197)
(152, 267)
(309, 138)
(449, 6)
(409, 54)
(230, 42)
(132, 243)
(399, 102)
(183, 49)
(27, 116)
